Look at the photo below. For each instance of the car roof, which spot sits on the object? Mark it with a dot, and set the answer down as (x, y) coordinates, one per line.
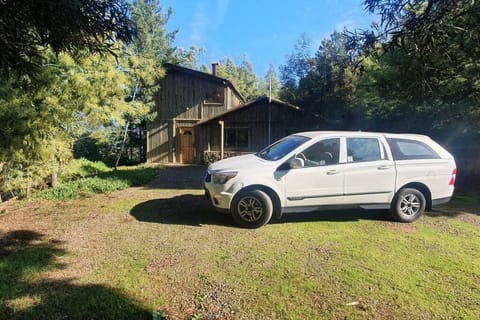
(315, 134)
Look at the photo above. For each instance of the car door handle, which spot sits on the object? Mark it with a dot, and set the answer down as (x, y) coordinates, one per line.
(332, 172)
(384, 167)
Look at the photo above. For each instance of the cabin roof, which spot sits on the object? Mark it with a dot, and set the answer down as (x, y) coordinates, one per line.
(204, 75)
(251, 104)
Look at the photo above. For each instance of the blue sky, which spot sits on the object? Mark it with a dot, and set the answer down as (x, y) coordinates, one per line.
(265, 30)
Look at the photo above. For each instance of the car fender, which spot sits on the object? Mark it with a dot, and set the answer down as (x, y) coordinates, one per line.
(262, 182)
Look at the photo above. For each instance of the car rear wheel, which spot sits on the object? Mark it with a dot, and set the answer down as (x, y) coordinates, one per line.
(408, 205)
(252, 209)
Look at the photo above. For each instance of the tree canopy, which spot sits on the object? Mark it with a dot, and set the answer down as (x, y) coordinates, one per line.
(75, 91)
(28, 26)
(423, 57)
(322, 84)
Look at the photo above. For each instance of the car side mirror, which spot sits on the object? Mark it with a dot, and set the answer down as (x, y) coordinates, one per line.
(296, 163)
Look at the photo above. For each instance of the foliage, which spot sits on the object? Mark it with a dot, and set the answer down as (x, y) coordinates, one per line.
(136, 176)
(83, 95)
(81, 187)
(213, 156)
(297, 67)
(81, 168)
(28, 27)
(322, 84)
(422, 58)
(42, 118)
(270, 86)
(242, 76)
(96, 178)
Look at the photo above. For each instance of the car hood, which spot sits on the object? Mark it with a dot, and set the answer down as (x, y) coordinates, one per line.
(237, 163)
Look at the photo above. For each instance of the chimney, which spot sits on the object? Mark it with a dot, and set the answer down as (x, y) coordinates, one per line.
(214, 68)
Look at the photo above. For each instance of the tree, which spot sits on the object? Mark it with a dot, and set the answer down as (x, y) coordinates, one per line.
(322, 84)
(430, 51)
(242, 76)
(42, 118)
(297, 67)
(270, 85)
(28, 26)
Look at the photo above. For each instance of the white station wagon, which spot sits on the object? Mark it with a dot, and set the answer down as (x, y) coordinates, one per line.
(309, 171)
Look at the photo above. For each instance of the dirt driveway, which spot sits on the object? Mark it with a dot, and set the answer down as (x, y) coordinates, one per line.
(179, 177)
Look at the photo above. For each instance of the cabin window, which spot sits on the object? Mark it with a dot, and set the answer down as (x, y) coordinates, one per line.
(237, 138)
(215, 96)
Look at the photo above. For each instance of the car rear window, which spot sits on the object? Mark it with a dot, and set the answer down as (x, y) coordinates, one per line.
(404, 149)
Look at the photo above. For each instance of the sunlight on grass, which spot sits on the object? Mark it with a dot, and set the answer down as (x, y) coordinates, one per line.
(185, 261)
(22, 304)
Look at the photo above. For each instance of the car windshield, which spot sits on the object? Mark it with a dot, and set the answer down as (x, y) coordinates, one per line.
(281, 148)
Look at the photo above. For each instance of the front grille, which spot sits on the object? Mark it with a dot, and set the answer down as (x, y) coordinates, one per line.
(208, 177)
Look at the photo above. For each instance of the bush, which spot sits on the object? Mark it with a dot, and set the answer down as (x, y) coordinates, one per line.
(136, 176)
(81, 168)
(105, 181)
(81, 187)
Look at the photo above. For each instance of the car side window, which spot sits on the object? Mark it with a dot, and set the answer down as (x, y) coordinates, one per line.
(322, 153)
(403, 149)
(363, 149)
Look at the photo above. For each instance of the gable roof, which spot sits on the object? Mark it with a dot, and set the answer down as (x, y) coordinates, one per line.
(251, 104)
(204, 75)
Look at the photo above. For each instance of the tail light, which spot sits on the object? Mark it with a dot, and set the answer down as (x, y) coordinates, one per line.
(452, 179)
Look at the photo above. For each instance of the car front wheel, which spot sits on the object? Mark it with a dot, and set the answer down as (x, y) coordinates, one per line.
(252, 209)
(408, 205)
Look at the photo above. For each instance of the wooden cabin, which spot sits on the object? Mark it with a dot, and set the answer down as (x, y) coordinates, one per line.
(246, 129)
(185, 98)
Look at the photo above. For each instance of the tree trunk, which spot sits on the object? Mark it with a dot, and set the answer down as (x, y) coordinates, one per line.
(123, 145)
(54, 180)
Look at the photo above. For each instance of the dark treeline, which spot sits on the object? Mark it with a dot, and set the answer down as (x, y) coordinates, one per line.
(418, 70)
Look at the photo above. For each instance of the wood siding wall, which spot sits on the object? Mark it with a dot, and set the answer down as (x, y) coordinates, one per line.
(284, 121)
(180, 102)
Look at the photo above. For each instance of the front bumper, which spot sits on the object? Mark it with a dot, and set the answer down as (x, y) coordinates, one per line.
(219, 198)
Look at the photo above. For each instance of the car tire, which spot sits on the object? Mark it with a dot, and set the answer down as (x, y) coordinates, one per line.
(252, 209)
(408, 205)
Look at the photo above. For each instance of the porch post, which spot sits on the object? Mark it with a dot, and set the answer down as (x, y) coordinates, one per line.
(222, 129)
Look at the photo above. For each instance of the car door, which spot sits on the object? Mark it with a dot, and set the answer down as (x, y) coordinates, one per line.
(369, 174)
(320, 180)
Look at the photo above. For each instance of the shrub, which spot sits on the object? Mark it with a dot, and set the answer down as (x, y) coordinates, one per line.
(81, 187)
(106, 180)
(136, 176)
(81, 168)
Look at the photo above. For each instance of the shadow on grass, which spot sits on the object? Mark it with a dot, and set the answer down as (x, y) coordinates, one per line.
(340, 215)
(186, 209)
(179, 177)
(458, 205)
(194, 210)
(24, 294)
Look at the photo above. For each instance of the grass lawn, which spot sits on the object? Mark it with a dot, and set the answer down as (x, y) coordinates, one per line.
(162, 253)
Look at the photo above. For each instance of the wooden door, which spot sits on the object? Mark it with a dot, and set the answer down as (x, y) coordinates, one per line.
(187, 145)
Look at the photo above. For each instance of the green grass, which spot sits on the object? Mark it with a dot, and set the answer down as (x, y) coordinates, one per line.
(104, 180)
(147, 252)
(81, 168)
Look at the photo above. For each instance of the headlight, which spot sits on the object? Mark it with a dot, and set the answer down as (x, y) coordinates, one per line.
(223, 177)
